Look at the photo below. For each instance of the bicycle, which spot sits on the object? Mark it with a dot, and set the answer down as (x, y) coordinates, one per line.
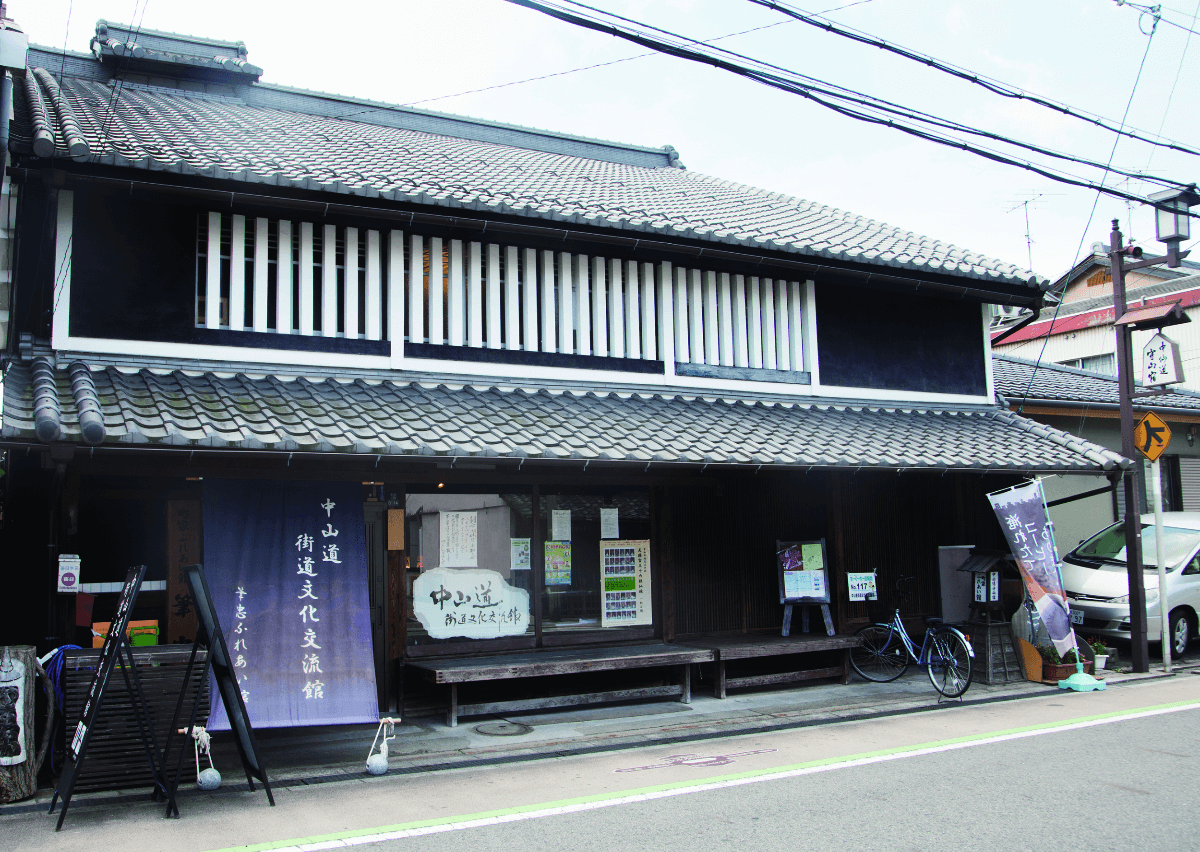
(886, 651)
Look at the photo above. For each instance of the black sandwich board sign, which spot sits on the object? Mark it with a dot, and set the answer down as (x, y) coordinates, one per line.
(803, 579)
(209, 634)
(116, 647)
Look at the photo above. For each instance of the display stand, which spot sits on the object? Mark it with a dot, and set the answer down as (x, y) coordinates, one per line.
(209, 634)
(804, 580)
(116, 647)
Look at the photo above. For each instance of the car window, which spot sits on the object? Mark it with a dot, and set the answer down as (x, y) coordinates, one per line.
(1109, 544)
(1193, 567)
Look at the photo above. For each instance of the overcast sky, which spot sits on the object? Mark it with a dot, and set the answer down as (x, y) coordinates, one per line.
(1083, 52)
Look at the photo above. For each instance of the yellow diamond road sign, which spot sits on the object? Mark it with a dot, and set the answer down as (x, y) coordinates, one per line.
(1151, 436)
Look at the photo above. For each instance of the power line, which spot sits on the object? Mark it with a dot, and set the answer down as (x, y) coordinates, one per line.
(995, 86)
(850, 103)
(1178, 72)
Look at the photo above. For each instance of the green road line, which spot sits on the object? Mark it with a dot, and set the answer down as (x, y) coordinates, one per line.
(679, 785)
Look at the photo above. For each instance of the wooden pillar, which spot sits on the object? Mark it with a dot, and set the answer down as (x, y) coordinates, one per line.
(183, 548)
(663, 554)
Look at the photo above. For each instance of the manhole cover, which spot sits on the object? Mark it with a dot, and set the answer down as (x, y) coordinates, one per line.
(502, 729)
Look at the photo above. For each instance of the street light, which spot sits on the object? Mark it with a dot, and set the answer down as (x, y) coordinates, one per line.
(1172, 227)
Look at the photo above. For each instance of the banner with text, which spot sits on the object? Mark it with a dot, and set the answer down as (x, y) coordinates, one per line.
(287, 565)
(1026, 523)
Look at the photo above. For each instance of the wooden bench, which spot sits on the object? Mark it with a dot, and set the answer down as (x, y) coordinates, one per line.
(455, 670)
(745, 647)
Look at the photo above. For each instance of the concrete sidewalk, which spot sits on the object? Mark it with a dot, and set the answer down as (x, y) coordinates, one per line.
(307, 756)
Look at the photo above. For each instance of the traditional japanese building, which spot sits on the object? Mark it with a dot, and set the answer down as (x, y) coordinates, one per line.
(572, 369)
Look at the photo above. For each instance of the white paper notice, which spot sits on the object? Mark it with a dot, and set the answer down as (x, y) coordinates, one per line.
(518, 554)
(560, 525)
(458, 540)
(609, 525)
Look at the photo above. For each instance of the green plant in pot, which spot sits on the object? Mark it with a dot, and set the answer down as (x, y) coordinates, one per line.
(1056, 667)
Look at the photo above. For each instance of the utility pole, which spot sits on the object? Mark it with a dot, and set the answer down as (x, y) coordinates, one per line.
(1173, 226)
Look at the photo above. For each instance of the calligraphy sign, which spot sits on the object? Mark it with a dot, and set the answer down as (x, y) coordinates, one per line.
(1161, 363)
(287, 566)
(471, 602)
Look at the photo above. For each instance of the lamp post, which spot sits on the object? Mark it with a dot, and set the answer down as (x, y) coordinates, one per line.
(1172, 224)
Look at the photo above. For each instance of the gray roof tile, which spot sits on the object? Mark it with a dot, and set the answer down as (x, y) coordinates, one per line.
(178, 409)
(1018, 379)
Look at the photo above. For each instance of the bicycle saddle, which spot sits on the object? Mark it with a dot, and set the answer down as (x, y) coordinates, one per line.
(932, 622)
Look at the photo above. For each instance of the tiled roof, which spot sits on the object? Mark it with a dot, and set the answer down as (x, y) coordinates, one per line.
(171, 130)
(1055, 383)
(237, 411)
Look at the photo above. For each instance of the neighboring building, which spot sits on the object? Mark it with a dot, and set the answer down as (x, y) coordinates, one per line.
(1075, 328)
(1086, 404)
(224, 280)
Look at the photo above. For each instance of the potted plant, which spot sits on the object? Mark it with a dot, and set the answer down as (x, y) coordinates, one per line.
(1100, 650)
(1056, 668)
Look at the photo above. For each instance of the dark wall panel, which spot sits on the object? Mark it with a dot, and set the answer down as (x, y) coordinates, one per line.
(133, 269)
(899, 341)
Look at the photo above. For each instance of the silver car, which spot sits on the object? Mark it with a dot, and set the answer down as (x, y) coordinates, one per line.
(1097, 585)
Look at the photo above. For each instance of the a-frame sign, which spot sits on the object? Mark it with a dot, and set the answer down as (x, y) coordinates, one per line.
(116, 647)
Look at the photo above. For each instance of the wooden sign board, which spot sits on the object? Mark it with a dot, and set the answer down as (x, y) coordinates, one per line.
(803, 577)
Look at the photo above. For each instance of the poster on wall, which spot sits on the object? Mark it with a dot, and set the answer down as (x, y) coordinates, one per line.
(560, 524)
(286, 564)
(802, 575)
(625, 567)
(458, 540)
(558, 563)
(609, 523)
(519, 554)
(471, 602)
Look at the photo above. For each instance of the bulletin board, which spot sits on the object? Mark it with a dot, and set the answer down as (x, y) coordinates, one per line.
(803, 571)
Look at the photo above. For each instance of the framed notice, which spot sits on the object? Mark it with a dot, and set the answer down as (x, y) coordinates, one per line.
(803, 577)
(458, 540)
(625, 574)
(558, 563)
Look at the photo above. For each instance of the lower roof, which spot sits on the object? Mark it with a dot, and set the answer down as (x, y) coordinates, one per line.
(359, 416)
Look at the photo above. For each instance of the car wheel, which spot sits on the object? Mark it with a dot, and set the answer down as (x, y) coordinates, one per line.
(1180, 632)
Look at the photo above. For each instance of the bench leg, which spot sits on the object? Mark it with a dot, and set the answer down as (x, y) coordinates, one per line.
(719, 680)
(685, 696)
(452, 710)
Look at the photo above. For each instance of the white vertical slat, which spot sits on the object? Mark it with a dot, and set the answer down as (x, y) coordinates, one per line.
(350, 305)
(549, 324)
(493, 296)
(725, 314)
(616, 311)
(633, 311)
(796, 311)
(583, 305)
(261, 262)
(529, 286)
(648, 293)
(437, 285)
(566, 304)
(212, 284)
(283, 279)
(666, 330)
(512, 299)
(374, 306)
(395, 291)
(783, 344)
(768, 312)
(599, 308)
(682, 348)
(474, 294)
(237, 274)
(64, 236)
(741, 350)
(416, 288)
(812, 362)
(712, 322)
(455, 309)
(306, 278)
(754, 326)
(696, 315)
(329, 281)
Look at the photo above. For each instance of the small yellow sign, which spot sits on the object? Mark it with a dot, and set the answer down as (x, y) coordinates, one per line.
(1151, 436)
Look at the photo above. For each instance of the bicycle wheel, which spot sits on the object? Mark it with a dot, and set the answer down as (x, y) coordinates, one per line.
(949, 664)
(881, 656)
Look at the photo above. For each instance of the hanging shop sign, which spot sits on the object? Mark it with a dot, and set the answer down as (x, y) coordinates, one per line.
(287, 566)
(68, 572)
(626, 583)
(471, 602)
(1161, 362)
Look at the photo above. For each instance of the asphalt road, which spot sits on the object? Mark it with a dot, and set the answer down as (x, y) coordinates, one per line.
(1108, 770)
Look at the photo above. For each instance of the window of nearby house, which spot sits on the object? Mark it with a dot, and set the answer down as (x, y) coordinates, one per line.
(1106, 364)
